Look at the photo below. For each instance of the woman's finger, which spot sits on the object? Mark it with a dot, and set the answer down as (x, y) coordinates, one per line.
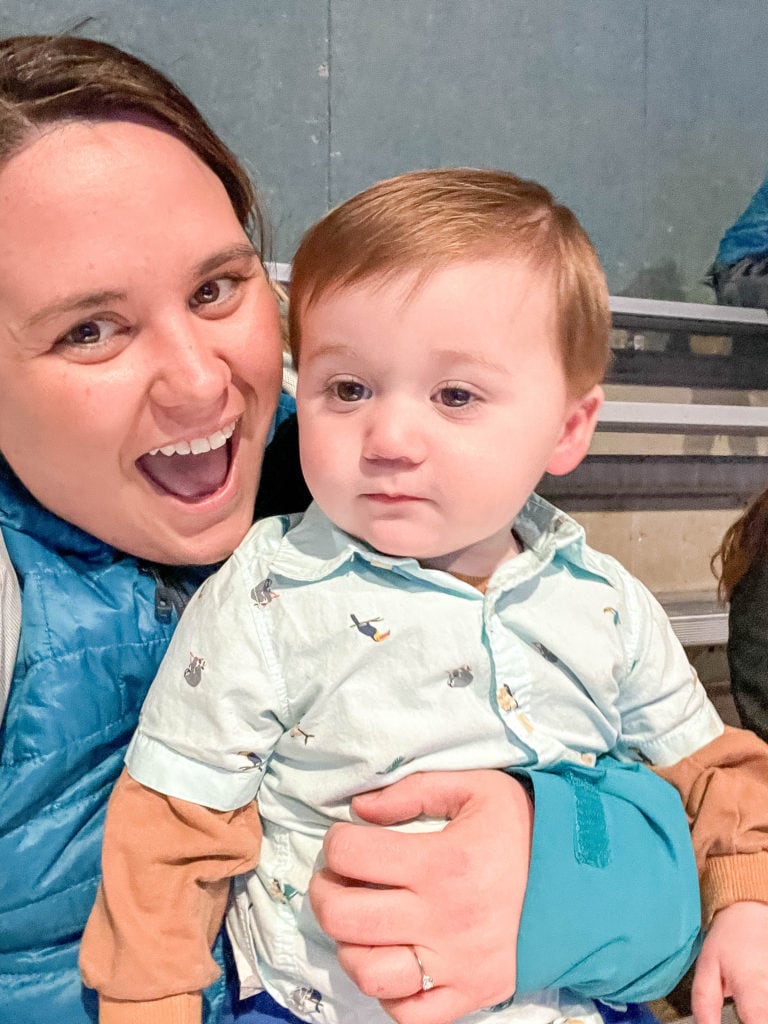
(440, 795)
(395, 976)
(377, 856)
(365, 916)
(385, 972)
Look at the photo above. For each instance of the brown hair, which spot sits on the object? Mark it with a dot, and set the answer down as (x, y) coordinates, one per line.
(46, 79)
(743, 542)
(427, 219)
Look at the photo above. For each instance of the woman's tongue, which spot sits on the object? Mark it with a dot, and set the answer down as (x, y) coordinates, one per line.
(188, 476)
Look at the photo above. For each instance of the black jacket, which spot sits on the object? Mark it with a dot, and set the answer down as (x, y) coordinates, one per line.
(748, 647)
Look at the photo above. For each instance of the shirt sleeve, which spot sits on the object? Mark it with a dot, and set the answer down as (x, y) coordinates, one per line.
(218, 704)
(665, 711)
(183, 1009)
(724, 787)
(166, 866)
(612, 906)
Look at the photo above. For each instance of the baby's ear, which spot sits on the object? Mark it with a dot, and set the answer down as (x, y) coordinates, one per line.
(578, 428)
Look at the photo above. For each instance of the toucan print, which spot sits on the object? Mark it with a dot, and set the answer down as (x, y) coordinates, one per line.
(367, 628)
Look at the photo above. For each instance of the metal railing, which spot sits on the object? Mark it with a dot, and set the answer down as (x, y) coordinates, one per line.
(680, 481)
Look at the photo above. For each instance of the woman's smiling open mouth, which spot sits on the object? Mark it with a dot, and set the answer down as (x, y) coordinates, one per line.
(191, 470)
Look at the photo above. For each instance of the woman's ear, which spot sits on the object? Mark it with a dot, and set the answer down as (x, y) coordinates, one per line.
(578, 428)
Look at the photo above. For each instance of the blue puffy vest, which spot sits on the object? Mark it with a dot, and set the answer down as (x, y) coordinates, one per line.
(95, 625)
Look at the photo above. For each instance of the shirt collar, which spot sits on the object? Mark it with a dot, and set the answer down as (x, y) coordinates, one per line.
(545, 532)
(315, 548)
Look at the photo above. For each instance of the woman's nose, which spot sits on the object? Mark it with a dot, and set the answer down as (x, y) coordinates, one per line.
(190, 367)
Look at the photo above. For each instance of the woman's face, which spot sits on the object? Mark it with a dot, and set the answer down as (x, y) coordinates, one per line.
(139, 341)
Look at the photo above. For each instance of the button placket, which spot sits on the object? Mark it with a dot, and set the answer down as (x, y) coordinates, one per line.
(511, 674)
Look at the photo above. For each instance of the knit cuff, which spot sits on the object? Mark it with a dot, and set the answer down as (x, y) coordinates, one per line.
(733, 879)
(186, 1008)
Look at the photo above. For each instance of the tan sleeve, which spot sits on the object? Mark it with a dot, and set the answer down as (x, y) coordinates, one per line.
(724, 788)
(166, 866)
(184, 1009)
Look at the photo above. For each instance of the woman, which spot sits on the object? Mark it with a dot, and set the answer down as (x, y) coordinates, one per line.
(139, 372)
(743, 557)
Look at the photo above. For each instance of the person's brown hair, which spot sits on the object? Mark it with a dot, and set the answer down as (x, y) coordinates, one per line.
(743, 542)
(426, 220)
(48, 79)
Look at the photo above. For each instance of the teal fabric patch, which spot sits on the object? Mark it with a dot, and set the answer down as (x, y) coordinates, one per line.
(590, 838)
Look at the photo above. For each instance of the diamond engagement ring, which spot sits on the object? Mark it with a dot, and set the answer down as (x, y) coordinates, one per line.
(427, 982)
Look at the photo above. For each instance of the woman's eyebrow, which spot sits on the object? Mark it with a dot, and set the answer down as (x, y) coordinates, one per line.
(89, 300)
(72, 304)
(240, 251)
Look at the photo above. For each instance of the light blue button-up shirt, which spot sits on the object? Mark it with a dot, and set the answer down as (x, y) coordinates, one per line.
(311, 668)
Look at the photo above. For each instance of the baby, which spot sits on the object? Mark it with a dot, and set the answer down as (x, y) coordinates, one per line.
(427, 612)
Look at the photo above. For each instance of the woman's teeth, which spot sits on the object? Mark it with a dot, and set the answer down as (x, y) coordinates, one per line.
(198, 445)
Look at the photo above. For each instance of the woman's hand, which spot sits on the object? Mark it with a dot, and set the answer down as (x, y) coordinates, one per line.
(455, 895)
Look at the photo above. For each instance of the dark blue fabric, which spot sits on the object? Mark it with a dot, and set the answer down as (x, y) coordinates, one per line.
(286, 407)
(634, 1014)
(261, 1009)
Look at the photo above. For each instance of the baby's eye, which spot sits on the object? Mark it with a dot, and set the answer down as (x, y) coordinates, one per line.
(350, 391)
(454, 397)
(89, 333)
(211, 292)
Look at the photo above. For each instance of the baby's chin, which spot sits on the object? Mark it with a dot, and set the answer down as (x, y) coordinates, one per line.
(393, 536)
(402, 548)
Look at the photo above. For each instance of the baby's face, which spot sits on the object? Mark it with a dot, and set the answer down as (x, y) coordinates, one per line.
(427, 417)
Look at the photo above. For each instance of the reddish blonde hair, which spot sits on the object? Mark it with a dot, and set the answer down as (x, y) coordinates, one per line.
(426, 220)
(743, 542)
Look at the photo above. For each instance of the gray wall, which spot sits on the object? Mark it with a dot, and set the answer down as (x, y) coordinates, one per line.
(648, 117)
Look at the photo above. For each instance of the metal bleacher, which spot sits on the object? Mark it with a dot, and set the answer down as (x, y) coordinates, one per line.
(655, 348)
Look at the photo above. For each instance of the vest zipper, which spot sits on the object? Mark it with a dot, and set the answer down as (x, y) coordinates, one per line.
(170, 597)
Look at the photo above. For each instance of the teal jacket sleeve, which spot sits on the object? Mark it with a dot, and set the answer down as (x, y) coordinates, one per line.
(612, 908)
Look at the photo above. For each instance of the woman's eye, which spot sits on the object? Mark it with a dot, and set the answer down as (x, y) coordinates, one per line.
(89, 333)
(212, 292)
(454, 397)
(350, 391)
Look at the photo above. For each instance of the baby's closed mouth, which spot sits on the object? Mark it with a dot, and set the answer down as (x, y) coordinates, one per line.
(191, 469)
(385, 498)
